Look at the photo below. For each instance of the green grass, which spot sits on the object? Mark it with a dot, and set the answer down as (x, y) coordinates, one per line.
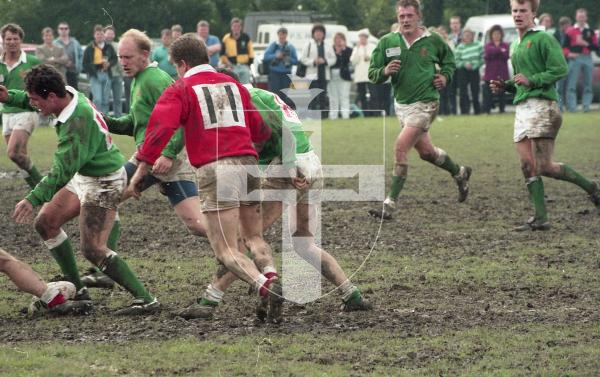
(456, 292)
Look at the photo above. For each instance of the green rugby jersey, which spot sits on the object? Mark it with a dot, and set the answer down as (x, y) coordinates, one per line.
(539, 57)
(15, 78)
(276, 113)
(84, 145)
(414, 81)
(146, 88)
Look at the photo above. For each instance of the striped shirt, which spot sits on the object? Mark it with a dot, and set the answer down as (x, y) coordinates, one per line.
(469, 53)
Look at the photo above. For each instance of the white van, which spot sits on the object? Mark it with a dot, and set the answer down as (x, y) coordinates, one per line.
(482, 24)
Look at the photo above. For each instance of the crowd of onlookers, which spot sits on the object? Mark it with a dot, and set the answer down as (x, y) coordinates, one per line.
(335, 64)
(477, 63)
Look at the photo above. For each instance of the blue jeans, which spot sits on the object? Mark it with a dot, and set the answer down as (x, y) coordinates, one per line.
(582, 63)
(100, 90)
(243, 72)
(561, 88)
(278, 81)
(116, 83)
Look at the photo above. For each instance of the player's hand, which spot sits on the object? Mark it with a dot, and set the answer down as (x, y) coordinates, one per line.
(134, 188)
(497, 86)
(23, 213)
(520, 79)
(3, 93)
(468, 66)
(392, 67)
(298, 179)
(162, 165)
(439, 81)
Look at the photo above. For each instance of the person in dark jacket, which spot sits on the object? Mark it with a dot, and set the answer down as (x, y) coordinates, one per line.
(495, 54)
(341, 79)
(98, 58)
(280, 56)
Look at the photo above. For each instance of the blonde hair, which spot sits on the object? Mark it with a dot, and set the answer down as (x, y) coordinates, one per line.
(140, 39)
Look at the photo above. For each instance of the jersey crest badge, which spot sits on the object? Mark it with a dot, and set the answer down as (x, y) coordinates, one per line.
(423, 51)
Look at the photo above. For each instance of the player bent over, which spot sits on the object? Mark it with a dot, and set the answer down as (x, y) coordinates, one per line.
(409, 56)
(51, 299)
(87, 178)
(283, 158)
(538, 63)
(219, 133)
(172, 170)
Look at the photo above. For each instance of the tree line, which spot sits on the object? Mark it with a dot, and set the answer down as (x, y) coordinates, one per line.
(154, 15)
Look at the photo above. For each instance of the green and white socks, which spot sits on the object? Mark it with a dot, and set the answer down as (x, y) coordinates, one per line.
(535, 186)
(62, 251)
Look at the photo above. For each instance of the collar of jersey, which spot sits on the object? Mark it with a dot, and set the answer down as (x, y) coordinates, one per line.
(535, 28)
(22, 58)
(198, 69)
(426, 33)
(66, 113)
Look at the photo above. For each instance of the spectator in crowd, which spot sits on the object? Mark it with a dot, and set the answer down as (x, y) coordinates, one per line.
(213, 45)
(581, 42)
(280, 56)
(545, 21)
(360, 59)
(564, 23)
(237, 52)
(341, 79)
(469, 57)
(176, 31)
(52, 54)
(445, 91)
(318, 55)
(98, 59)
(495, 54)
(454, 38)
(160, 54)
(74, 53)
(116, 79)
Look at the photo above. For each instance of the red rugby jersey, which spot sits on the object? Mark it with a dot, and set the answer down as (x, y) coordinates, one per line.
(216, 113)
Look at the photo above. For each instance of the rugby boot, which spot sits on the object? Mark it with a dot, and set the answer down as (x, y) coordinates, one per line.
(97, 279)
(356, 303)
(139, 306)
(39, 308)
(462, 181)
(595, 196)
(275, 314)
(262, 309)
(533, 224)
(389, 206)
(196, 311)
(82, 295)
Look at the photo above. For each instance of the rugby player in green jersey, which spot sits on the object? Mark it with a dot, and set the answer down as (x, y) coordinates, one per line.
(410, 57)
(538, 63)
(172, 171)
(87, 179)
(17, 123)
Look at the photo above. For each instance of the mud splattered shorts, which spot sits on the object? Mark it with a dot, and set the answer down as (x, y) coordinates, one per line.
(309, 165)
(226, 183)
(537, 118)
(418, 114)
(104, 192)
(26, 121)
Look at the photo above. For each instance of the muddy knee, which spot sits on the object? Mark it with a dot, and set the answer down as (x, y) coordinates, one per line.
(528, 169)
(20, 159)
(45, 225)
(94, 254)
(429, 156)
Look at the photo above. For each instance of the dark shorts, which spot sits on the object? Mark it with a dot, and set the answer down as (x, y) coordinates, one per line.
(176, 191)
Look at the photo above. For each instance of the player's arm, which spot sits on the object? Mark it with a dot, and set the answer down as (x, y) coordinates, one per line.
(556, 65)
(377, 66)
(15, 98)
(447, 62)
(71, 154)
(122, 125)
